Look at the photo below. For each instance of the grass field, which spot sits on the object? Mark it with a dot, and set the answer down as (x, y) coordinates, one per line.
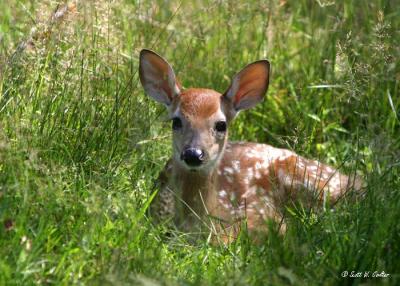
(80, 143)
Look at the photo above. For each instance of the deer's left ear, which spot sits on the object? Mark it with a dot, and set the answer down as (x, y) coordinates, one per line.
(249, 86)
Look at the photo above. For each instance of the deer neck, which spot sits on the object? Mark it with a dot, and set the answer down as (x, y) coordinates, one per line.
(195, 186)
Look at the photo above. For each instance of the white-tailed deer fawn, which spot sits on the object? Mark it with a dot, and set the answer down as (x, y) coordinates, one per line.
(220, 183)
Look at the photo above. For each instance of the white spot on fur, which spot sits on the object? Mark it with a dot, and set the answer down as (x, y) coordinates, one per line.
(227, 206)
(329, 169)
(229, 179)
(325, 176)
(266, 200)
(253, 204)
(223, 193)
(300, 164)
(313, 169)
(284, 178)
(251, 191)
(228, 170)
(236, 166)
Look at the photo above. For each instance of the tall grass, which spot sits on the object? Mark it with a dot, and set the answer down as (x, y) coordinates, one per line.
(80, 143)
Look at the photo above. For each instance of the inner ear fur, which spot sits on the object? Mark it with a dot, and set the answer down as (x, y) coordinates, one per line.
(157, 77)
(249, 86)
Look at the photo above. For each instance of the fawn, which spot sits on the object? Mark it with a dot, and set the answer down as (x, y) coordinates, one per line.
(212, 181)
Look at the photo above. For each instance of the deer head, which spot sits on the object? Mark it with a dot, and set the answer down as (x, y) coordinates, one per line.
(201, 117)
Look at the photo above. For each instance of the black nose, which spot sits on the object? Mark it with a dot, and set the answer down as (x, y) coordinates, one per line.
(192, 156)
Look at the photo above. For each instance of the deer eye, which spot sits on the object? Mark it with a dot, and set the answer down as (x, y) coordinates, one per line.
(220, 126)
(176, 123)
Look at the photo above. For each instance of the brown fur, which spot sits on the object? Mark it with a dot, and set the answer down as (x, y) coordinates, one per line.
(198, 103)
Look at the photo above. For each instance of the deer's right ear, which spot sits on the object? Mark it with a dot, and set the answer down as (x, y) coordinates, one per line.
(157, 77)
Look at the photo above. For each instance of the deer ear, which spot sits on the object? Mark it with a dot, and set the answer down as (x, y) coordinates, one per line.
(249, 86)
(157, 77)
